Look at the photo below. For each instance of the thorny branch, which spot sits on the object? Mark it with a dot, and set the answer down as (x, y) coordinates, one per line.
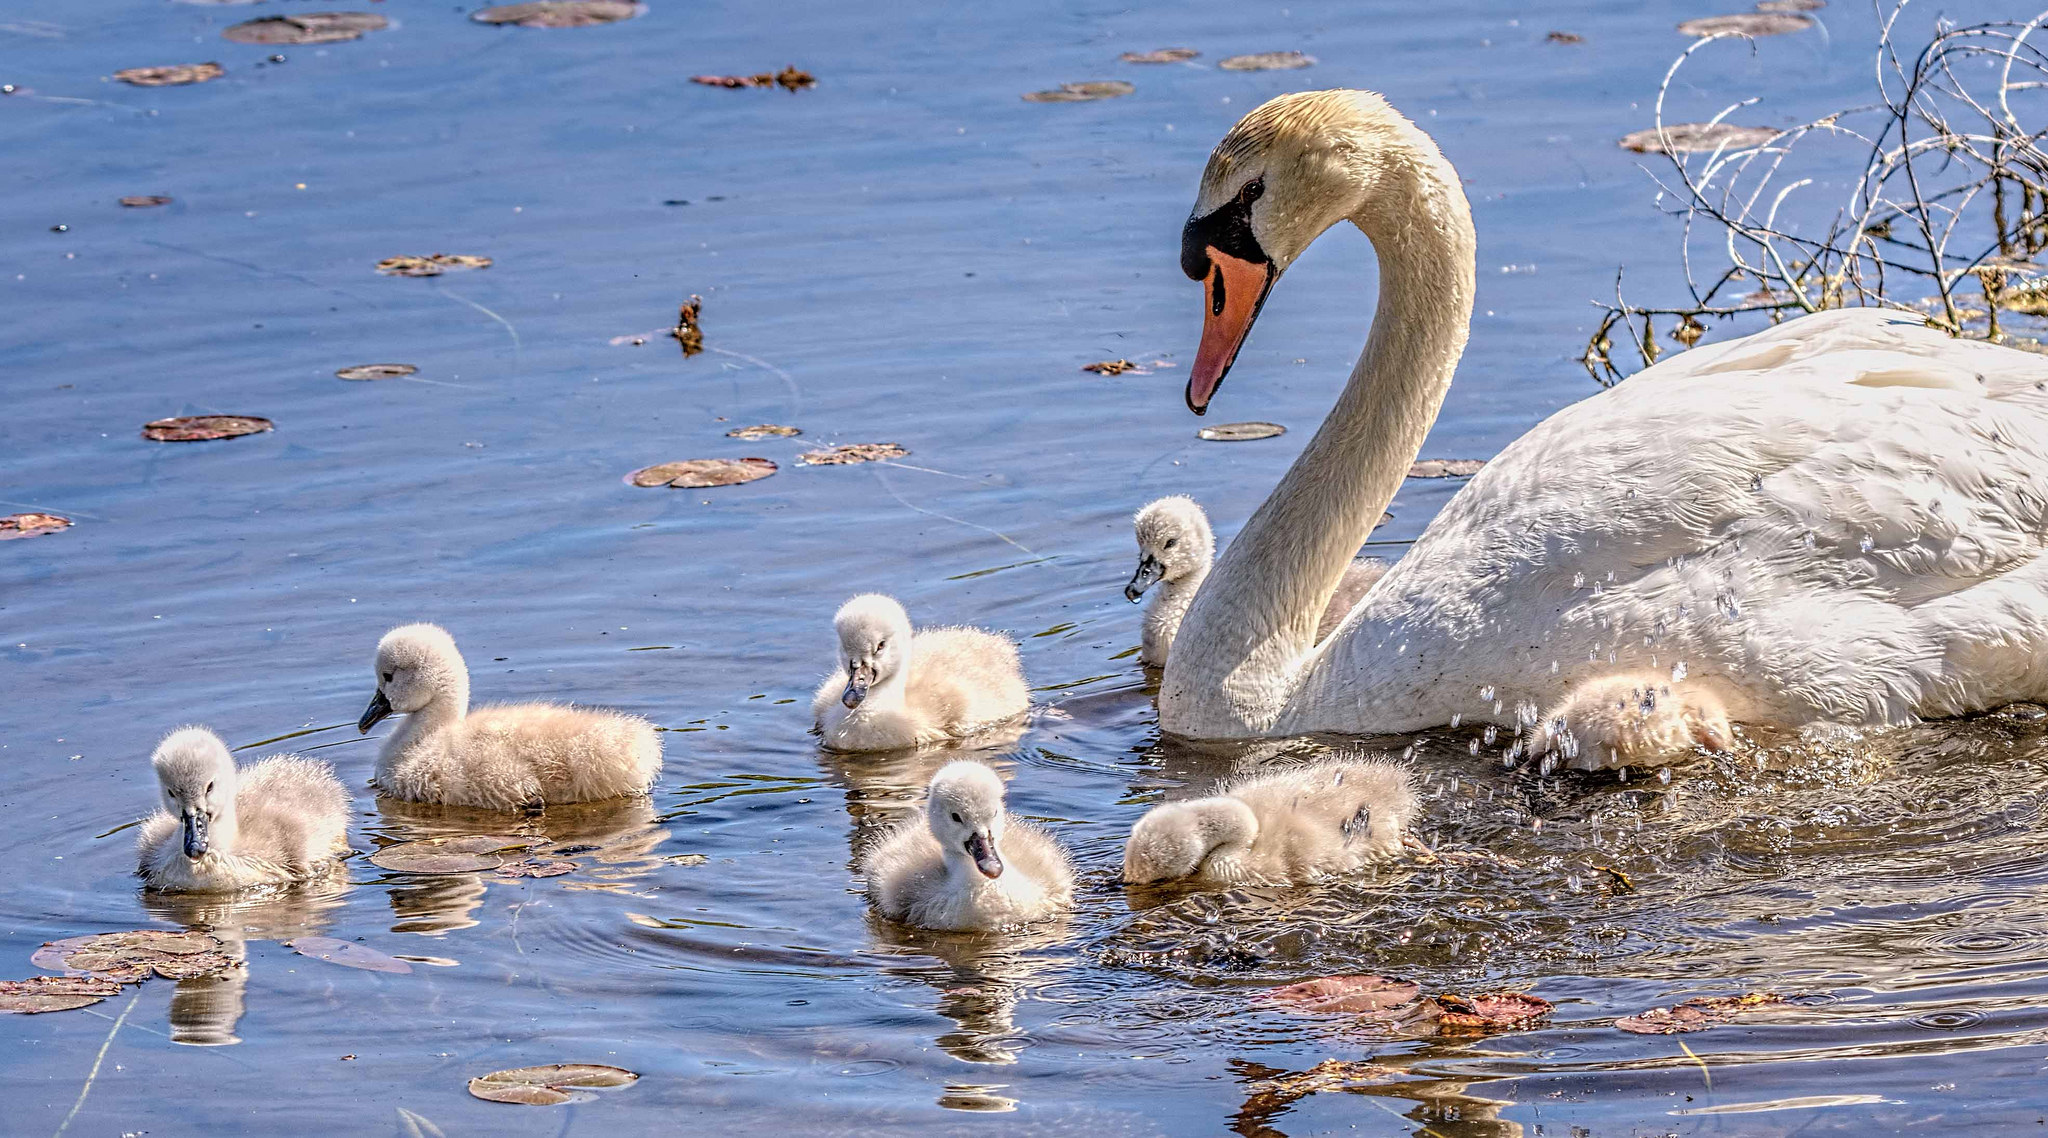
(1942, 139)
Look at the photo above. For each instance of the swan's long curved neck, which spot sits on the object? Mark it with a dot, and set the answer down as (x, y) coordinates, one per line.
(447, 708)
(1247, 640)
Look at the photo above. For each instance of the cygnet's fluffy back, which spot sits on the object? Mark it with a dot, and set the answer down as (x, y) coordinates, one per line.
(1292, 825)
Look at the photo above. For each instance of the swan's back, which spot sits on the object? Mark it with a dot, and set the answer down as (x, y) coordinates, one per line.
(964, 678)
(512, 756)
(1357, 581)
(291, 810)
(1331, 817)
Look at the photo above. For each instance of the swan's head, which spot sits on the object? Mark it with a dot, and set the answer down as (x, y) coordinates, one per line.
(197, 778)
(1173, 840)
(1285, 173)
(964, 808)
(1174, 540)
(416, 664)
(874, 643)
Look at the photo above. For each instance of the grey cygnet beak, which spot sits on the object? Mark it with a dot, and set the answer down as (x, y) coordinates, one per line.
(859, 678)
(1149, 573)
(378, 709)
(195, 834)
(983, 852)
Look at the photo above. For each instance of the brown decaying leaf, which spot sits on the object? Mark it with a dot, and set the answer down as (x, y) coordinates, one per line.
(852, 453)
(1751, 24)
(347, 953)
(1162, 55)
(1696, 1014)
(39, 994)
(31, 525)
(1334, 994)
(131, 957)
(1267, 61)
(1240, 432)
(201, 428)
(375, 371)
(306, 28)
(1697, 138)
(173, 75)
(763, 431)
(1110, 367)
(1446, 467)
(537, 867)
(790, 78)
(559, 13)
(699, 473)
(1081, 92)
(144, 201)
(1395, 1004)
(465, 853)
(432, 265)
(548, 1085)
(1488, 1012)
(1278, 1090)
(1564, 38)
(687, 331)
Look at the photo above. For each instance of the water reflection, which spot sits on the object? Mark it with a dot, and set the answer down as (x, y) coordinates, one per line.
(205, 1010)
(1442, 1107)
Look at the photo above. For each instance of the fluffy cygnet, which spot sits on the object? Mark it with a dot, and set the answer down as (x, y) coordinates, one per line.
(518, 756)
(1621, 720)
(220, 829)
(897, 689)
(1175, 549)
(1281, 827)
(968, 864)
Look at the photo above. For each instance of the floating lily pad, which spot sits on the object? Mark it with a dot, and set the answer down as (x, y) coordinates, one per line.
(560, 13)
(1446, 467)
(1081, 92)
(1791, 5)
(698, 473)
(764, 431)
(432, 265)
(1752, 24)
(1696, 1014)
(537, 867)
(347, 953)
(549, 1085)
(1698, 138)
(200, 428)
(375, 371)
(1335, 994)
(31, 525)
(131, 957)
(1268, 61)
(1564, 38)
(1112, 367)
(791, 78)
(306, 27)
(1492, 1011)
(144, 201)
(686, 859)
(39, 994)
(1162, 55)
(1240, 432)
(852, 453)
(174, 75)
(465, 853)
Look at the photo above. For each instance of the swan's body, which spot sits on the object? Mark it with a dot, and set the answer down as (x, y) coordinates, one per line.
(1280, 827)
(1175, 548)
(273, 822)
(896, 689)
(1838, 520)
(968, 864)
(509, 757)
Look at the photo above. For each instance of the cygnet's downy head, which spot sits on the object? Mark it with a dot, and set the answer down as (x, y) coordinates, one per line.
(1173, 840)
(416, 664)
(197, 778)
(874, 643)
(964, 808)
(1174, 541)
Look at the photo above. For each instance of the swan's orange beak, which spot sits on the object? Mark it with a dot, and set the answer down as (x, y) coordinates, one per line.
(1235, 290)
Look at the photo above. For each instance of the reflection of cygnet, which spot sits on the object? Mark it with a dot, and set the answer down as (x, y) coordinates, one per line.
(1288, 826)
(510, 757)
(271, 823)
(968, 864)
(894, 689)
(1175, 548)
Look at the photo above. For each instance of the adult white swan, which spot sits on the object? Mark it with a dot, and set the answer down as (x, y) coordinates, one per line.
(1841, 519)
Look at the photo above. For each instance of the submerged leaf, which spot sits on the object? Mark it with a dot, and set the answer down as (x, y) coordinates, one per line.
(1697, 138)
(305, 28)
(1336, 994)
(464, 853)
(1112, 367)
(697, 473)
(1751, 24)
(131, 957)
(174, 75)
(537, 867)
(1240, 432)
(31, 525)
(1488, 1012)
(1162, 55)
(347, 953)
(201, 428)
(560, 13)
(687, 331)
(790, 78)
(39, 994)
(1446, 467)
(1267, 61)
(1564, 38)
(852, 453)
(548, 1085)
(763, 431)
(432, 265)
(1696, 1014)
(375, 371)
(144, 201)
(1081, 92)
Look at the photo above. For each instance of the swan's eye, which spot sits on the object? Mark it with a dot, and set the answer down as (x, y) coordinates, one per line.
(1171, 542)
(956, 817)
(387, 677)
(881, 644)
(209, 788)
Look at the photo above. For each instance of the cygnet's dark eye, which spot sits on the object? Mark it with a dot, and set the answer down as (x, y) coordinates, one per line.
(956, 816)
(881, 644)
(1171, 542)
(387, 677)
(209, 788)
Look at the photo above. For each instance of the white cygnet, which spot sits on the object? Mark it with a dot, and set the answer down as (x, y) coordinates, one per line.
(1282, 827)
(896, 689)
(272, 822)
(519, 756)
(1617, 721)
(968, 865)
(1175, 550)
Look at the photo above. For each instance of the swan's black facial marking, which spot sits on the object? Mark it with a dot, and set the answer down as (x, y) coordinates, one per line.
(1226, 229)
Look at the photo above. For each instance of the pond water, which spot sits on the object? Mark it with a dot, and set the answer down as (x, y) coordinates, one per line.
(906, 253)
